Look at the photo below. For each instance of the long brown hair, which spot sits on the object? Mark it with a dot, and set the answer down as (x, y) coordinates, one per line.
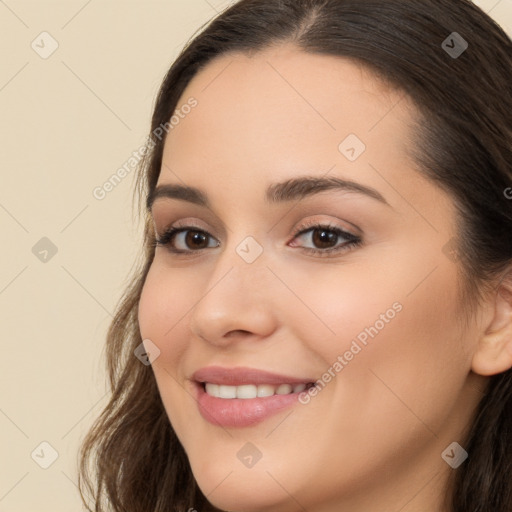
(131, 459)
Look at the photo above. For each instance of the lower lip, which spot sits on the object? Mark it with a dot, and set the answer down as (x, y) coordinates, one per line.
(241, 412)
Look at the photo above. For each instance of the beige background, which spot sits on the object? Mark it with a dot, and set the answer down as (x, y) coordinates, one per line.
(68, 122)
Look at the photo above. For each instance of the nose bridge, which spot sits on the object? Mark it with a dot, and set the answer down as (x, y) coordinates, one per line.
(245, 259)
(238, 294)
(241, 270)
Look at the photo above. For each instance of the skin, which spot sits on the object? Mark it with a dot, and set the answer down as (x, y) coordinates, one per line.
(372, 438)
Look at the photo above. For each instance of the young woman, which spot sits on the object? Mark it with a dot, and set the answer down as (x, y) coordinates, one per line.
(322, 320)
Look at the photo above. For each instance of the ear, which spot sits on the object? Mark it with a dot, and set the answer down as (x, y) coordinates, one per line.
(493, 354)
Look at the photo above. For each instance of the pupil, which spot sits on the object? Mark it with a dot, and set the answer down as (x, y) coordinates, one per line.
(325, 237)
(194, 238)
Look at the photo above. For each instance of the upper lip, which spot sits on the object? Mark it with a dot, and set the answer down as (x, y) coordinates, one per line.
(243, 375)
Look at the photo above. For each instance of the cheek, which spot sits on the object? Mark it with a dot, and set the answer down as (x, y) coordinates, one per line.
(427, 360)
(167, 300)
(404, 354)
(162, 307)
(387, 333)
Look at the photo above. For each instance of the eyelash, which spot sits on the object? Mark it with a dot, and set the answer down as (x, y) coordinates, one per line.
(352, 240)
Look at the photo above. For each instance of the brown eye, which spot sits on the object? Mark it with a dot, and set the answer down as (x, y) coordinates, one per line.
(326, 239)
(188, 239)
(196, 239)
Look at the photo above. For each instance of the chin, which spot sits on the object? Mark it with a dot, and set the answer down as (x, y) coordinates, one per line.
(243, 490)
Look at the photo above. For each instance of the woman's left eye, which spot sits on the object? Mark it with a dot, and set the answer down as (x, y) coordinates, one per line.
(328, 235)
(325, 236)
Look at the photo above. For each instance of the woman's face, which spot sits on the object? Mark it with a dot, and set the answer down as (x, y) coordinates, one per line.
(376, 322)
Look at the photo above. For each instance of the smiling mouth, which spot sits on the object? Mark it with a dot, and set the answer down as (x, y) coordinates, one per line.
(246, 404)
(248, 391)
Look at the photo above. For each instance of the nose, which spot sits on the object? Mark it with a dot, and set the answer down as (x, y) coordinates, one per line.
(237, 302)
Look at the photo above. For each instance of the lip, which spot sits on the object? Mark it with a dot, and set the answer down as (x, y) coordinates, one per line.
(242, 412)
(241, 375)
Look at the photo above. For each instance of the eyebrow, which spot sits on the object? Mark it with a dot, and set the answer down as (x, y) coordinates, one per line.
(289, 190)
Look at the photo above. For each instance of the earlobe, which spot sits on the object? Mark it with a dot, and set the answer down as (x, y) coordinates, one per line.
(493, 354)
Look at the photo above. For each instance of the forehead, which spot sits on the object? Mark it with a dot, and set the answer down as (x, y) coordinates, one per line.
(285, 111)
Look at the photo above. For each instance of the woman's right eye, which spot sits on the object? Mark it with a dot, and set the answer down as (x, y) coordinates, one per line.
(188, 236)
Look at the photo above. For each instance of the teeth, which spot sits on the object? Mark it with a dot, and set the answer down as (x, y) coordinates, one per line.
(265, 390)
(227, 391)
(251, 390)
(299, 387)
(284, 389)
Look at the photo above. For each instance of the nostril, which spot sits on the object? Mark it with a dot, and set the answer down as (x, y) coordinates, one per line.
(236, 332)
